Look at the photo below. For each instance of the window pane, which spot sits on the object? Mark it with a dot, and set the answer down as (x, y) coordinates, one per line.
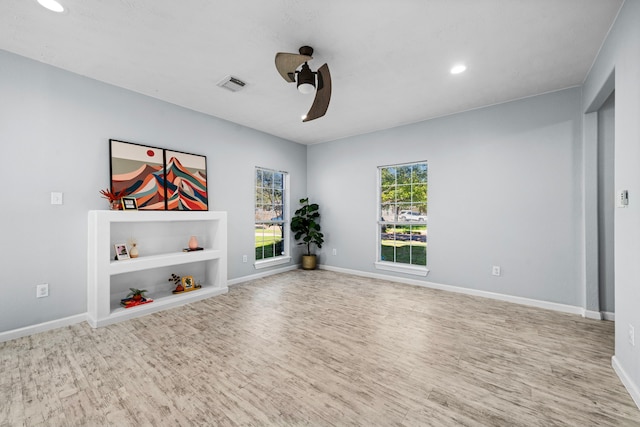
(258, 178)
(404, 175)
(259, 197)
(267, 179)
(419, 195)
(277, 197)
(277, 180)
(420, 172)
(388, 212)
(403, 193)
(387, 241)
(278, 211)
(388, 176)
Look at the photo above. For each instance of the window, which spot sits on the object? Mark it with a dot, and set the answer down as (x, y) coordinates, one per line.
(403, 217)
(271, 222)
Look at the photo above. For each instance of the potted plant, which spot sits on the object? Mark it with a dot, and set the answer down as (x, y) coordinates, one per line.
(305, 226)
(113, 198)
(136, 294)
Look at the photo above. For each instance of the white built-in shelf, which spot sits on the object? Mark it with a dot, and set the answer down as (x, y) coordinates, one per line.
(162, 260)
(161, 236)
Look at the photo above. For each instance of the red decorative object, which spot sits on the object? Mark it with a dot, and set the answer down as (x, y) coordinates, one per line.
(130, 302)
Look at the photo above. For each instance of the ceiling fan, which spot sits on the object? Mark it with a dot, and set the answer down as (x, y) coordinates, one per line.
(307, 81)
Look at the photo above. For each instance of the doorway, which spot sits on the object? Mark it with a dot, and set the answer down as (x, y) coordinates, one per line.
(606, 207)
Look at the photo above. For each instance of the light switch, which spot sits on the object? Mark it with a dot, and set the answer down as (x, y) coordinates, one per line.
(56, 198)
(622, 199)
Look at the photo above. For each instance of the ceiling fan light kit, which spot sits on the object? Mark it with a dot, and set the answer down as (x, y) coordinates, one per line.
(306, 80)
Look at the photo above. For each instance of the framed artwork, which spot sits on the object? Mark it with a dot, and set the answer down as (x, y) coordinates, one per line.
(187, 283)
(159, 179)
(121, 251)
(129, 204)
(186, 178)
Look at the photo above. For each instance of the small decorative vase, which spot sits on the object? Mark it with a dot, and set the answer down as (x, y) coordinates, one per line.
(133, 252)
(193, 242)
(115, 205)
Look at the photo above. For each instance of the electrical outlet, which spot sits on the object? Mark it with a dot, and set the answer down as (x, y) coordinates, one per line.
(632, 335)
(56, 198)
(335, 251)
(42, 290)
(244, 258)
(495, 270)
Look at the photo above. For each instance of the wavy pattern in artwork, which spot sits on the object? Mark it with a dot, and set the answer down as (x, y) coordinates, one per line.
(185, 190)
(146, 184)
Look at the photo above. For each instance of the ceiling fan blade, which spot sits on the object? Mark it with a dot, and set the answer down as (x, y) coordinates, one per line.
(323, 95)
(288, 63)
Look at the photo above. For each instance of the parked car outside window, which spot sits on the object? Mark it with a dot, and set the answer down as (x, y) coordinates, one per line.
(411, 216)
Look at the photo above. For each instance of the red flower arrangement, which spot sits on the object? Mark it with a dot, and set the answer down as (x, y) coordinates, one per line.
(113, 198)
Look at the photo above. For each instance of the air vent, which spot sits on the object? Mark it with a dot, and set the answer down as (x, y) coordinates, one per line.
(231, 83)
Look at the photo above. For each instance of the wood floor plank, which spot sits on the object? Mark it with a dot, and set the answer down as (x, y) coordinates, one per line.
(319, 348)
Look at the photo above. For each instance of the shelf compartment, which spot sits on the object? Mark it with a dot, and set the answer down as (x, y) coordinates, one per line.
(162, 260)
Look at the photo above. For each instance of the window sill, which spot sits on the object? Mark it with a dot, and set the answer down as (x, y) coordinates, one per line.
(402, 268)
(272, 262)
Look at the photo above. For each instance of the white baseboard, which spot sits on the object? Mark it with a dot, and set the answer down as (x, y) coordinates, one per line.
(243, 279)
(590, 314)
(607, 315)
(626, 381)
(42, 327)
(564, 308)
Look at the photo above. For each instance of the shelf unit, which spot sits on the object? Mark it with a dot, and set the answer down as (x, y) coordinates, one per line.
(161, 236)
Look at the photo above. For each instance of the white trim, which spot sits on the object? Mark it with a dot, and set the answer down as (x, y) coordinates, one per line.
(564, 308)
(590, 314)
(402, 268)
(42, 327)
(607, 315)
(271, 262)
(243, 279)
(626, 381)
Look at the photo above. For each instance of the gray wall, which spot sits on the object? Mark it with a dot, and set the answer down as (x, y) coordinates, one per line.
(504, 189)
(620, 54)
(54, 133)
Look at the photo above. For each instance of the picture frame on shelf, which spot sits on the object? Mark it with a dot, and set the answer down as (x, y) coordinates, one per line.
(121, 251)
(129, 204)
(188, 283)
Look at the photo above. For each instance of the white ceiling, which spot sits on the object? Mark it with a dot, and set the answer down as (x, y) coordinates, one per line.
(389, 59)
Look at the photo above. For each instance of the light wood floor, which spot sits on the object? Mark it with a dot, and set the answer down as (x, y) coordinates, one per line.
(321, 348)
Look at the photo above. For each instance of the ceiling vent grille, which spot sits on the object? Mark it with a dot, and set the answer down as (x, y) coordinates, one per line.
(232, 83)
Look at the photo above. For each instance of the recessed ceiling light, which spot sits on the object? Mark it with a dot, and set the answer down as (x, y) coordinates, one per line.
(459, 68)
(52, 5)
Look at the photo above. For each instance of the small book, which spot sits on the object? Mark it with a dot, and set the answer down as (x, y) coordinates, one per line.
(191, 250)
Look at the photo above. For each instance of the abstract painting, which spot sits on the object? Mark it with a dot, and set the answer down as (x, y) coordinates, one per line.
(186, 178)
(159, 179)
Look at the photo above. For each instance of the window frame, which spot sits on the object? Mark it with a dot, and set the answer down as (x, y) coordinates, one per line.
(394, 266)
(285, 222)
